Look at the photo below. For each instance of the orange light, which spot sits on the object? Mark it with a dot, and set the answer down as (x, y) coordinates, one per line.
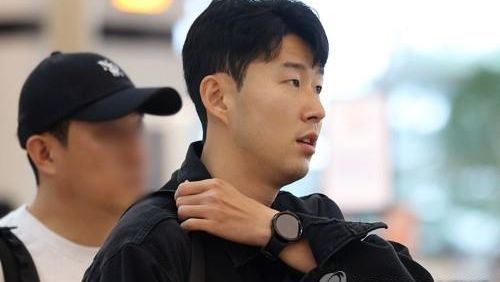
(151, 7)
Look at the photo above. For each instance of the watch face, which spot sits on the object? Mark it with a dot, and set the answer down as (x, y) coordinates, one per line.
(288, 227)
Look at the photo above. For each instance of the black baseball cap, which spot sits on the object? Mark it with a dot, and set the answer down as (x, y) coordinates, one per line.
(87, 87)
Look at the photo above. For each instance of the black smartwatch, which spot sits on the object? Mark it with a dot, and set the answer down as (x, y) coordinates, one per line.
(285, 228)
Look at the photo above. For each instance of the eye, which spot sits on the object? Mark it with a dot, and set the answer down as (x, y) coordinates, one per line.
(294, 82)
(318, 89)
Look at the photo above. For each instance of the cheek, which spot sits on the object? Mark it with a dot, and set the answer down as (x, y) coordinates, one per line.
(87, 166)
(265, 125)
(92, 162)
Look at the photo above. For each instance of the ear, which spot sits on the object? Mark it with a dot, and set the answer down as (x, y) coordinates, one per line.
(215, 96)
(40, 149)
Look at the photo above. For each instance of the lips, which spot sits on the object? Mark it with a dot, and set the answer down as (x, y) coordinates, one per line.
(308, 139)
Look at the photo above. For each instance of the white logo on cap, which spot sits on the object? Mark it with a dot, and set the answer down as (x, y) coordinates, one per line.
(112, 68)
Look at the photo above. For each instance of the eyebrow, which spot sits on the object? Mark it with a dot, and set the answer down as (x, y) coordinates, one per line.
(301, 67)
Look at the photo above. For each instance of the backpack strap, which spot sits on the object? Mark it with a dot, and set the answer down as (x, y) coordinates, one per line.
(197, 268)
(9, 264)
(17, 263)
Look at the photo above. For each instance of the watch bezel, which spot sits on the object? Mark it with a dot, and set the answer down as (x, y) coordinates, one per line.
(277, 231)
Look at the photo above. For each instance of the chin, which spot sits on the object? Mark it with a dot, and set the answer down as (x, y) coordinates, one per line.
(295, 173)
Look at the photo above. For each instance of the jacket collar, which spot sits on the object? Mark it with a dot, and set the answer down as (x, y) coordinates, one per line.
(192, 169)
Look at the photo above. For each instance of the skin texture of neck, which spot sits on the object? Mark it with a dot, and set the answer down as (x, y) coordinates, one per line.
(70, 218)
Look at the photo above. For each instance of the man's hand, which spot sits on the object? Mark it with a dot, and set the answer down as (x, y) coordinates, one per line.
(216, 207)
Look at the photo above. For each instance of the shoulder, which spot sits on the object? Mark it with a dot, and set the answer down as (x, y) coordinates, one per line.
(14, 217)
(21, 223)
(150, 226)
(314, 204)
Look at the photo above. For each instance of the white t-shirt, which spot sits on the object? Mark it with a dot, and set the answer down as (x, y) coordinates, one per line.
(56, 258)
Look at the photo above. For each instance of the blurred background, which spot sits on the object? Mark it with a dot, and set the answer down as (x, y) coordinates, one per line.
(412, 93)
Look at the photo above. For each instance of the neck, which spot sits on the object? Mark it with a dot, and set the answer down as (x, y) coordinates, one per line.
(71, 219)
(225, 161)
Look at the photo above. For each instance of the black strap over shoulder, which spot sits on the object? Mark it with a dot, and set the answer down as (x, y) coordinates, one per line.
(17, 263)
(9, 265)
(197, 269)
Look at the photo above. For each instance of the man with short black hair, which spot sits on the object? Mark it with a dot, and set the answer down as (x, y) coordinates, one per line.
(80, 122)
(254, 71)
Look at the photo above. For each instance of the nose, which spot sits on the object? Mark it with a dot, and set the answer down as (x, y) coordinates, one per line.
(314, 112)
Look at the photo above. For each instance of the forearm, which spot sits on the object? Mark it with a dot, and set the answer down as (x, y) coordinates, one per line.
(298, 255)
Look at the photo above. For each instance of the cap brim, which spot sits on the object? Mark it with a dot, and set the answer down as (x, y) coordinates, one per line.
(156, 101)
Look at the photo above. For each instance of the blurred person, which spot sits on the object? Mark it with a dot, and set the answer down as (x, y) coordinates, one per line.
(81, 122)
(254, 71)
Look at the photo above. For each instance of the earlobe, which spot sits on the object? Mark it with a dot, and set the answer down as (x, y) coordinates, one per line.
(213, 96)
(40, 153)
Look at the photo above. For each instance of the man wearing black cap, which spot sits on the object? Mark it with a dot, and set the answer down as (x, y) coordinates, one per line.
(80, 122)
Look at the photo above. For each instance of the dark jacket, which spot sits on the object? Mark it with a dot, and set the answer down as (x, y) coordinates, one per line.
(149, 245)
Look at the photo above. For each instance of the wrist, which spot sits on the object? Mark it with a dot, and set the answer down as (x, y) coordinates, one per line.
(286, 228)
(265, 227)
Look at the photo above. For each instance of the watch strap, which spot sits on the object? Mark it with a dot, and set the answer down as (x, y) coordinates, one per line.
(274, 247)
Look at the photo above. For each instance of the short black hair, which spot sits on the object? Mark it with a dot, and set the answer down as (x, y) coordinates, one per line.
(60, 132)
(230, 34)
